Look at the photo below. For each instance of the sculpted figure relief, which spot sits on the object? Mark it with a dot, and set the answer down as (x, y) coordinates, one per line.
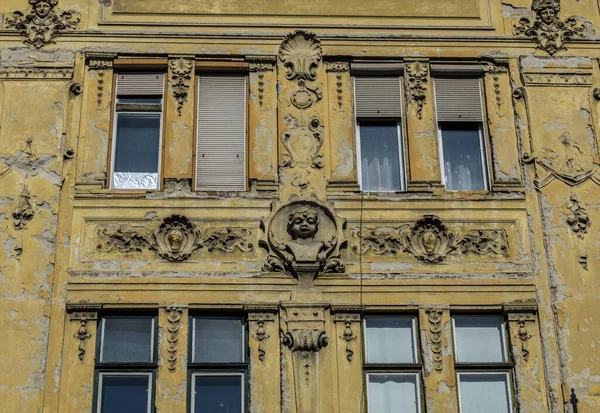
(303, 237)
(547, 29)
(43, 22)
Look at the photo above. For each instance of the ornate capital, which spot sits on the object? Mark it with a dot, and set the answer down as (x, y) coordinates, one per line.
(521, 318)
(547, 29)
(82, 313)
(43, 22)
(176, 239)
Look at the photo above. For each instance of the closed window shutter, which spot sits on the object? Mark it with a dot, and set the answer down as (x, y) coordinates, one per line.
(378, 96)
(140, 84)
(221, 140)
(458, 99)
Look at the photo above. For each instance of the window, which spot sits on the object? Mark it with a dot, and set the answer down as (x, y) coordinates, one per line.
(461, 133)
(391, 364)
(380, 149)
(137, 130)
(126, 364)
(221, 133)
(219, 365)
(481, 364)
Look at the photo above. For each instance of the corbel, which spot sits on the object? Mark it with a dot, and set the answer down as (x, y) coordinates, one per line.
(83, 313)
(349, 316)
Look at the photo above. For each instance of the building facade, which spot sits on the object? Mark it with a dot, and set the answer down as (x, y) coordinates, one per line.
(336, 206)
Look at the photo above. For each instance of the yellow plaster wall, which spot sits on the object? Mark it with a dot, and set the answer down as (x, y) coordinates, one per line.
(40, 369)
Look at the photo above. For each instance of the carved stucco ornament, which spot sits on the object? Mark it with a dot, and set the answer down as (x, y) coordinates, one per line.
(547, 29)
(578, 218)
(303, 239)
(176, 239)
(301, 54)
(417, 77)
(23, 211)
(43, 22)
(568, 162)
(429, 240)
(181, 70)
(434, 317)
(174, 313)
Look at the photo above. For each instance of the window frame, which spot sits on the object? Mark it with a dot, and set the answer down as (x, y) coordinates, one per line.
(195, 368)
(219, 68)
(483, 138)
(400, 128)
(113, 129)
(404, 369)
(505, 367)
(125, 368)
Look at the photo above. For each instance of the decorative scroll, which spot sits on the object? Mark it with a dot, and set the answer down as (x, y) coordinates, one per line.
(429, 240)
(434, 316)
(417, 77)
(547, 29)
(305, 340)
(181, 70)
(174, 314)
(176, 239)
(43, 22)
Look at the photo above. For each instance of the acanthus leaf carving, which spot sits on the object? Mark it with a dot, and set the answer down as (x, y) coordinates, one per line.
(429, 240)
(176, 239)
(181, 70)
(547, 29)
(578, 218)
(417, 73)
(174, 313)
(434, 317)
(43, 22)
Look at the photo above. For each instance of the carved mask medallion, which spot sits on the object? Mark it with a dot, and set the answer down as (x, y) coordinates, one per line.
(303, 235)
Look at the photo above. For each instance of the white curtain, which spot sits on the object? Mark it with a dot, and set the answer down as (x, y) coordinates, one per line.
(393, 393)
(390, 340)
(484, 393)
(479, 339)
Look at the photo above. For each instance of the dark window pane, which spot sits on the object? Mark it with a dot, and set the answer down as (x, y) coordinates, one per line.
(462, 156)
(218, 340)
(137, 142)
(124, 394)
(218, 394)
(140, 100)
(380, 157)
(127, 339)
